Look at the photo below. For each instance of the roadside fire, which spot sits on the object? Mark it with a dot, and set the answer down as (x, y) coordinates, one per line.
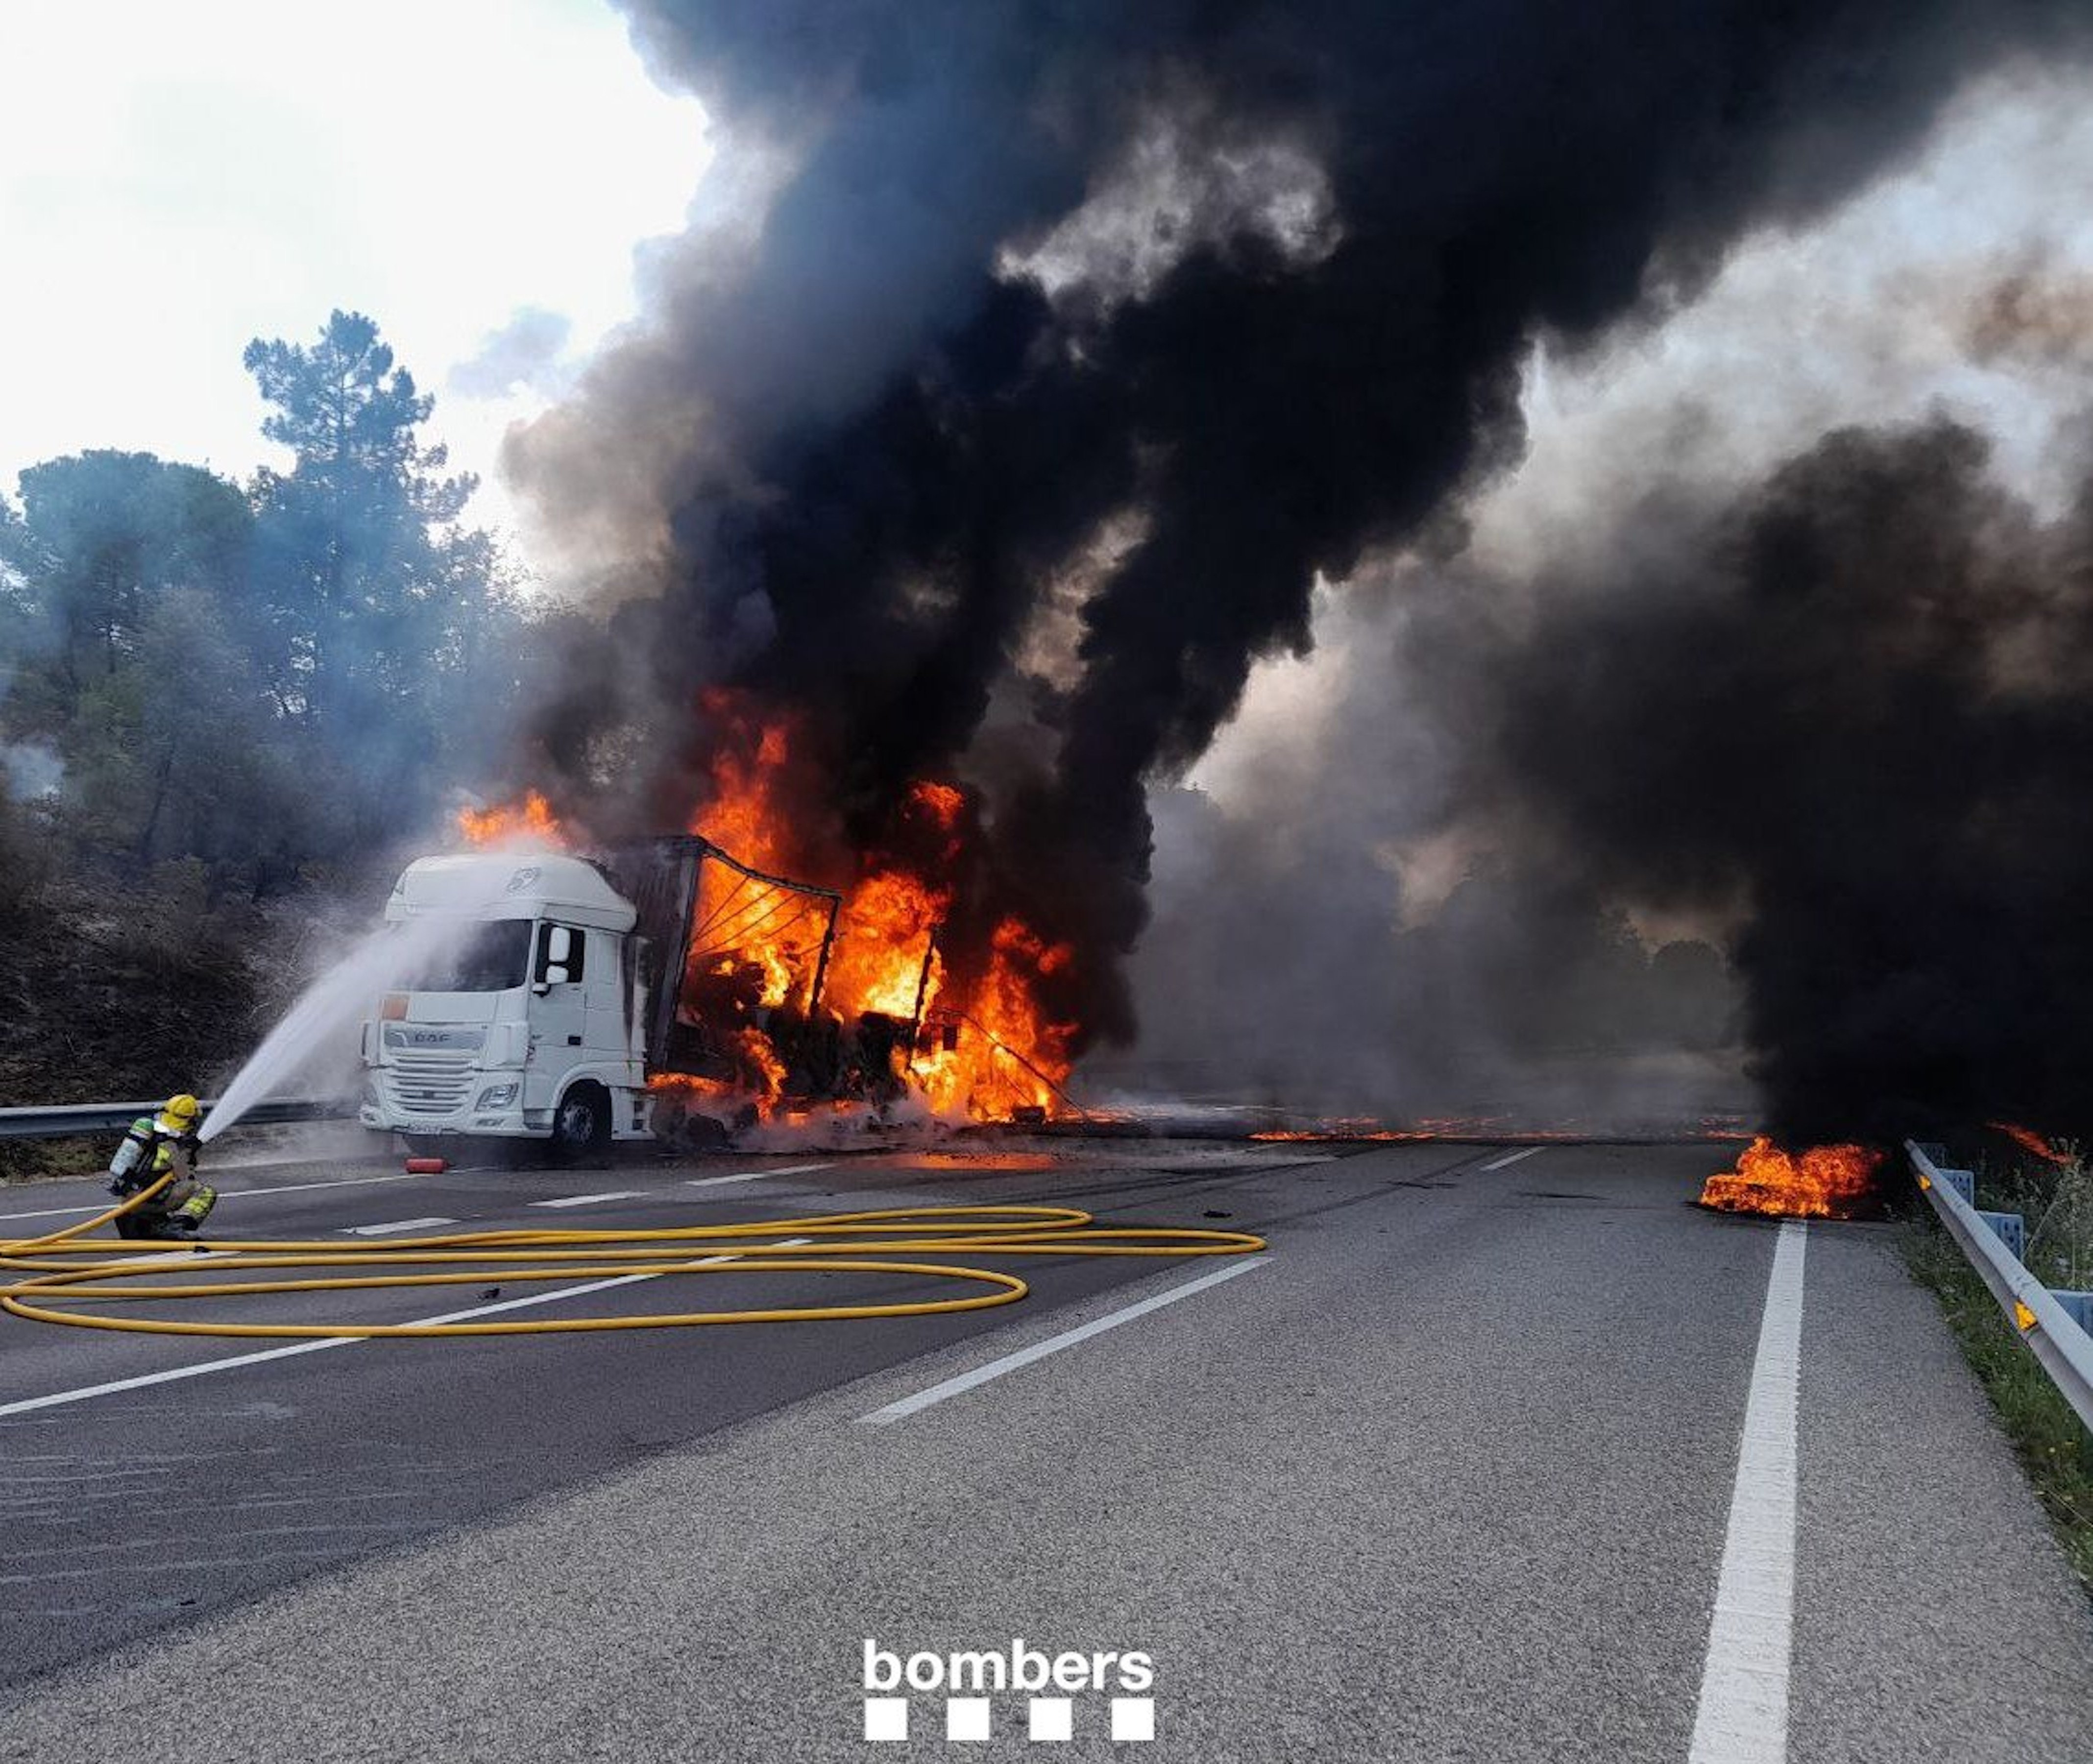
(2033, 1143)
(1358, 1128)
(1823, 1182)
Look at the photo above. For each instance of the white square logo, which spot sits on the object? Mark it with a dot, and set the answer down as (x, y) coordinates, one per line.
(1133, 1718)
(1052, 1717)
(966, 1718)
(887, 1717)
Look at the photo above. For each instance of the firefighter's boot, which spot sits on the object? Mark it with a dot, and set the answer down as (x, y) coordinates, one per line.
(187, 1220)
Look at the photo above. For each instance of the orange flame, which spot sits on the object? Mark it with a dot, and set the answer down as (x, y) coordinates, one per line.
(687, 1086)
(1824, 1182)
(531, 819)
(2032, 1142)
(984, 1047)
(944, 801)
(1337, 1135)
(993, 1051)
(883, 936)
(747, 770)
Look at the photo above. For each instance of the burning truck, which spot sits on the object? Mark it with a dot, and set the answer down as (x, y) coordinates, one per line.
(664, 983)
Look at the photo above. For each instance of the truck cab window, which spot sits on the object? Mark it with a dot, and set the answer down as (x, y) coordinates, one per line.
(480, 957)
(561, 951)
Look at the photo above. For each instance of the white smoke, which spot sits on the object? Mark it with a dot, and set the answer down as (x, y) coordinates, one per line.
(31, 771)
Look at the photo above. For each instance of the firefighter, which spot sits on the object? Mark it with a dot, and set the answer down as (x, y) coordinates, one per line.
(149, 1152)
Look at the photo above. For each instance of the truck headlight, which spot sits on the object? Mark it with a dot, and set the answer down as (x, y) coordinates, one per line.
(497, 1096)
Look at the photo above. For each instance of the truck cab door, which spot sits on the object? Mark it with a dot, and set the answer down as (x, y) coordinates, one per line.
(559, 984)
(608, 1031)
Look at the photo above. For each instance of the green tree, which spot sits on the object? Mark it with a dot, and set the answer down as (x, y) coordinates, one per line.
(374, 600)
(102, 537)
(106, 543)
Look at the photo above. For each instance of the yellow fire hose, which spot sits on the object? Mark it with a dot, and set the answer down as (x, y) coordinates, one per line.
(68, 1269)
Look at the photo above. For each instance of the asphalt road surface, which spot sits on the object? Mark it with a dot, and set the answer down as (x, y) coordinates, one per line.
(1498, 1453)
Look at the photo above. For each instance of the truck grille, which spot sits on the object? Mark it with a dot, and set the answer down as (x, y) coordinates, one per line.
(425, 1083)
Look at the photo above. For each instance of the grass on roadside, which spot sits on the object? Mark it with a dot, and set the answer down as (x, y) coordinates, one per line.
(2051, 1443)
(34, 1160)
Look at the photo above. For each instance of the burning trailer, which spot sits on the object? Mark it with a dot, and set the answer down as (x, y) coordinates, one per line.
(661, 987)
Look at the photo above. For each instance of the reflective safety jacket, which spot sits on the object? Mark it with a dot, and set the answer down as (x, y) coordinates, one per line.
(146, 1156)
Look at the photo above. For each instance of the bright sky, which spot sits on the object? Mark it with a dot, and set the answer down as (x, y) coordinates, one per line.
(176, 179)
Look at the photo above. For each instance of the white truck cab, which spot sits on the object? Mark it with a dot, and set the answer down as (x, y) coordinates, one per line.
(515, 1010)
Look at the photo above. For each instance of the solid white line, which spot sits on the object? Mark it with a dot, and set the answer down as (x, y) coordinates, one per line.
(392, 1225)
(593, 1200)
(1743, 1715)
(752, 1176)
(229, 1193)
(905, 1406)
(173, 1374)
(1514, 1157)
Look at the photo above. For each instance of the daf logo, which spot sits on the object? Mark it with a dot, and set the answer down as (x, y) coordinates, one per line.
(427, 1038)
(523, 879)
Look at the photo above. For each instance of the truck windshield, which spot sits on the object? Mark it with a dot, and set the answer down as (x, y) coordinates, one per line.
(487, 957)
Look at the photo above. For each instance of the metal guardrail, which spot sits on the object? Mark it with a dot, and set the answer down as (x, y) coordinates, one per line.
(76, 1118)
(2053, 1324)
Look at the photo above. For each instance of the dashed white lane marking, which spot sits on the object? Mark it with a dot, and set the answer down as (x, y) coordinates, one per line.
(1743, 1715)
(751, 1175)
(1512, 1157)
(392, 1225)
(593, 1200)
(229, 1193)
(117, 1385)
(337, 1181)
(905, 1406)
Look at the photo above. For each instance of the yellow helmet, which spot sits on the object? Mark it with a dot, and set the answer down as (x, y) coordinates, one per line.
(178, 1114)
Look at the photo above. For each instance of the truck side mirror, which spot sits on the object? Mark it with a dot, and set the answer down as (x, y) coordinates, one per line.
(556, 974)
(559, 945)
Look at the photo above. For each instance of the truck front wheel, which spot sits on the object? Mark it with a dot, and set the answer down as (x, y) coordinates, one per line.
(581, 1124)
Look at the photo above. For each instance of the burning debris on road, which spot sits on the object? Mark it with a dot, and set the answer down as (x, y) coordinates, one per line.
(1823, 1182)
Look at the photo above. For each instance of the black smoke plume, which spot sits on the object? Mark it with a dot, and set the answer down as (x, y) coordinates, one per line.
(1856, 711)
(865, 469)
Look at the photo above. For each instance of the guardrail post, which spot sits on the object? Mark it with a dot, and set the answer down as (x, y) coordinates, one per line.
(2078, 1306)
(2010, 1230)
(1964, 1182)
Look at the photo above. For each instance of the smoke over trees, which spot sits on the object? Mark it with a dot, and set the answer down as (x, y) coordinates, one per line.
(1077, 342)
(214, 695)
(260, 678)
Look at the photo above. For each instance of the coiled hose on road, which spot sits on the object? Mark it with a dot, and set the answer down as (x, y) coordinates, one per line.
(67, 1269)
